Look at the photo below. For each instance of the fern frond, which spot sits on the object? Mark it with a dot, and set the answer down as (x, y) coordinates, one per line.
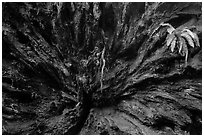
(194, 36)
(188, 38)
(196, 40)
(173, 44)
(169, 39)
(185, 50)
(181, 44)
(189, 32)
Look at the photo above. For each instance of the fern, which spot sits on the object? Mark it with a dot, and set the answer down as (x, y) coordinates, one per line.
(180, 39)
(173, 44)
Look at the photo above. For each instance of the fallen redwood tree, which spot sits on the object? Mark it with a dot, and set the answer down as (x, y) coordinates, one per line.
(101, 68)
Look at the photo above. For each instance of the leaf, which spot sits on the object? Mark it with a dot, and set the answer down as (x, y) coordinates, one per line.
(173, 44)
(194, 36)
(189, 32)
(181, 44)
(169, 39)
(185, 50)
(188, 39)
(196, 39)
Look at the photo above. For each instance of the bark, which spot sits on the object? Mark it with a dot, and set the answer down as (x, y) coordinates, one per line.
(99, 68)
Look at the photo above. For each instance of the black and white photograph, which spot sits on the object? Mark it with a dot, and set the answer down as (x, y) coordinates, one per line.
(101, 68)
